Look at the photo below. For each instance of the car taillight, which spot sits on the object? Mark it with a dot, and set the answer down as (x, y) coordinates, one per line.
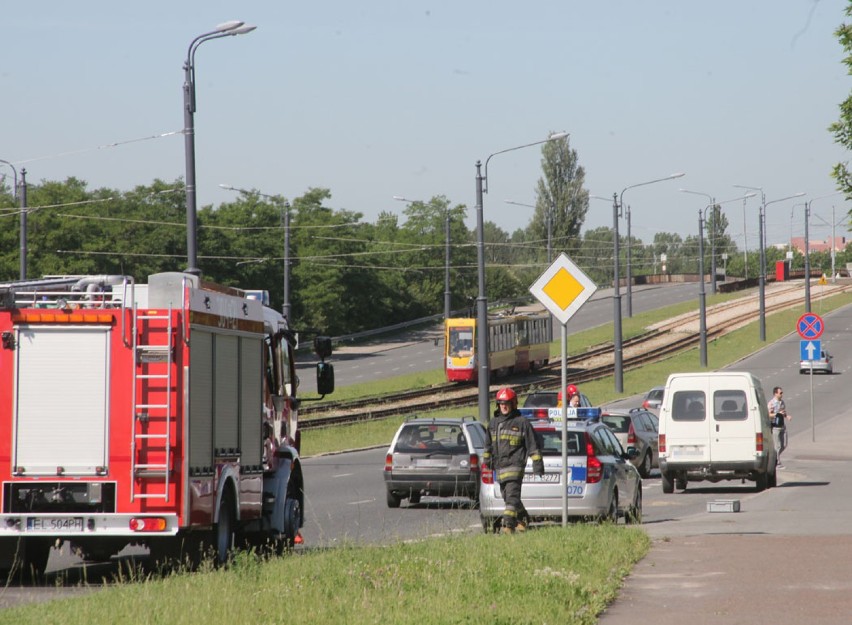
(662, 443)
(631, 435)
(474, 463)
(487, 476)
(594, 468)
(389, 462)
(758, 442)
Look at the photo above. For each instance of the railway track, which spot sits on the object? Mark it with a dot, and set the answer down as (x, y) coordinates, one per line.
(661, 341)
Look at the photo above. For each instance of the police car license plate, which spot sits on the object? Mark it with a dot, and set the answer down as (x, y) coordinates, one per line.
(548, 478)
(55, 524)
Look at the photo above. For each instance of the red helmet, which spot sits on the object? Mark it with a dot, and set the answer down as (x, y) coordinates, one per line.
(569, 391)
(506, 394)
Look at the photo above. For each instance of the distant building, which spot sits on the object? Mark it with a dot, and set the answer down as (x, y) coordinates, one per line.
(839, 244)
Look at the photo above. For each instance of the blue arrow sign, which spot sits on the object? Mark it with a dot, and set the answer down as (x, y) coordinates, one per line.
(810, 350)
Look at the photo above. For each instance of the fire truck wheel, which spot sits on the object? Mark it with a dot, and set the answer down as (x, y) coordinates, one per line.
(224, 534)
(292, 516)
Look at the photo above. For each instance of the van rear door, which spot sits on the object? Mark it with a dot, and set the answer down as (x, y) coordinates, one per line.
(733, 419)
(687, 427)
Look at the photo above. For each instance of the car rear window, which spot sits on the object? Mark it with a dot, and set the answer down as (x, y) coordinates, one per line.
(617, 423)
(431, 437)
(550, 442)
(541, 400)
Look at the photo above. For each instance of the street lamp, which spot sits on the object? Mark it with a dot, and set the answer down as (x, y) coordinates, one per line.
(285, 307)
(807, 250)
(22, 197)
(761, 222)
(481, 299)
(617, 202)
(702, 297)
(712, 241)
(446, 253)
(227, 29)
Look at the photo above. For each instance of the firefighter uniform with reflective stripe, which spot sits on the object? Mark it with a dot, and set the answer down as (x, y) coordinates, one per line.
(509, 440)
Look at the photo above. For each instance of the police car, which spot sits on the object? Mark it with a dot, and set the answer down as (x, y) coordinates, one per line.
(600, 481)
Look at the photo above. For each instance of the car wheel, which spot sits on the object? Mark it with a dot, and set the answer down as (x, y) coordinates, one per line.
(645, 465)
(667, 480)
(611, 515)
(634, 513)
(680, 483)
(393, 500)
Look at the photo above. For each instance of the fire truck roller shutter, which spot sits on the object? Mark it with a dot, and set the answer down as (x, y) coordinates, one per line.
(201, 401)
(251, 400)
(226, 372)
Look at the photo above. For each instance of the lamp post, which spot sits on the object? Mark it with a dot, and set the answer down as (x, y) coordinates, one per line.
(702, 296)
(20, 193)
(712, 241)
(617, 202)
(481, 299)
(222, 30)
(807, 249)
(702, 301)
(446, 253)
(761, 222)
(285, 306)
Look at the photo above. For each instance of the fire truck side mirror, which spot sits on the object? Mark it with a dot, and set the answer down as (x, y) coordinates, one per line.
(322, 346)
(325, 378)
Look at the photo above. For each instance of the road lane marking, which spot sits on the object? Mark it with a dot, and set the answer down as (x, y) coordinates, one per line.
(363, 501)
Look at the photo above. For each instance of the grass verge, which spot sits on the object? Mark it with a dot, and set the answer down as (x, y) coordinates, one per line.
(548, 575)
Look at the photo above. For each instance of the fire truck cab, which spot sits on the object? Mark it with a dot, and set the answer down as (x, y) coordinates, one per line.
(162, 414)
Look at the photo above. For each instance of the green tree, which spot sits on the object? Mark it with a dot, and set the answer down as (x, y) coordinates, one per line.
(842, 129)
(560, 198)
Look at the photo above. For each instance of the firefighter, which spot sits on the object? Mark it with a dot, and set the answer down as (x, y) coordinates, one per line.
(509, 440)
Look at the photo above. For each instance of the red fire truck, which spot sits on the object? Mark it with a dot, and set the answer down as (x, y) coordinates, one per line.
(160, 414)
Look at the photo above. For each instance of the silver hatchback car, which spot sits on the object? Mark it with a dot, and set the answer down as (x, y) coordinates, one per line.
(821, 364)
(434, 457)
(601, 482)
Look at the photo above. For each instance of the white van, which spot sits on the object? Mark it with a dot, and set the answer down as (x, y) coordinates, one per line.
(715, 426)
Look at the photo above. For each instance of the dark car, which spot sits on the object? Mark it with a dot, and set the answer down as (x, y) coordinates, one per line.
(640, 429)
(434, 457)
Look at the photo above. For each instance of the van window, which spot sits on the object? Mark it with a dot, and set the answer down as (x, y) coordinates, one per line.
(688, 406)
(729, 405)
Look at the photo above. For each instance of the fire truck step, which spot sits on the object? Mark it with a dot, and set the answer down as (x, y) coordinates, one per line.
(153, 376)
(152, 496)
(152, 436)
(152, 406)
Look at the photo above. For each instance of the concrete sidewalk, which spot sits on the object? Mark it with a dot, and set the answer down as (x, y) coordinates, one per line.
(785, 559)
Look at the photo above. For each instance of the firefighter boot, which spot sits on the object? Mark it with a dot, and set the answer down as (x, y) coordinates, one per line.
(521, 527)
(507, 530)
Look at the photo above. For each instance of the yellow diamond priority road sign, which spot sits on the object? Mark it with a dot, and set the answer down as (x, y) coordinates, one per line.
(563, 288)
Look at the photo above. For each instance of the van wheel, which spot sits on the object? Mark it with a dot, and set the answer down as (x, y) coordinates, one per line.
(762, 482)
(667, 480)
(680, 483)
(645, 466)
(773, 479)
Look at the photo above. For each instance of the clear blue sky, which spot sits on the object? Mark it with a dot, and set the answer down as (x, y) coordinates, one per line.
(378, 98)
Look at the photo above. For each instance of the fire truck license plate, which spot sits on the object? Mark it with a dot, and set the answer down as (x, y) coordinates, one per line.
(55, 524)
